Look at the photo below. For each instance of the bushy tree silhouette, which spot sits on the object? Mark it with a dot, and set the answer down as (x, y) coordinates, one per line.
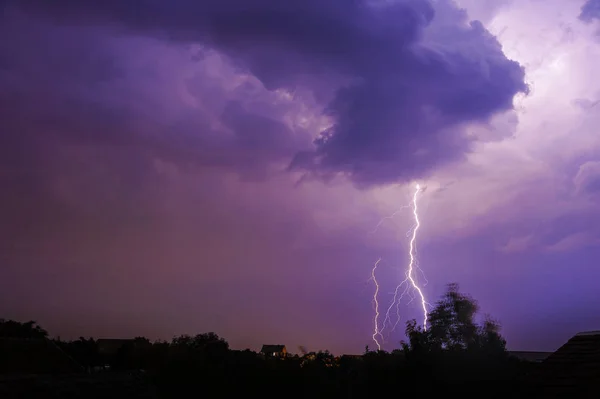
(455, 350)
(452, 328)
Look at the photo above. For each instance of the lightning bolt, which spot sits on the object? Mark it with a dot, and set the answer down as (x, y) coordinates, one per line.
(376, 331)
(406, 287)
(412, 265)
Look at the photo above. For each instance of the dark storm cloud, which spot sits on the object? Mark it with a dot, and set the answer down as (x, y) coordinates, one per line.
(590, 10)
(413, 73)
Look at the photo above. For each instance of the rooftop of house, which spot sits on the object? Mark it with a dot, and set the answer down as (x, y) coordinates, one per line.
(573, 368)
(272, 348)
(109, 345)
(587, 333)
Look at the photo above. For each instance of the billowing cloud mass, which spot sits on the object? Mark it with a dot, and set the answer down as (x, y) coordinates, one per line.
(185, 166)
(409, 81)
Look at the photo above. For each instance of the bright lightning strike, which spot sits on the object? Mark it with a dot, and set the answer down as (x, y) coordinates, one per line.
(409, 285)
(376, 331)
(411, 265)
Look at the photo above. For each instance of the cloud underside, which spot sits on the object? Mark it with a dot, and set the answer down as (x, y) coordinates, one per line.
(590, 10)
(399, 82)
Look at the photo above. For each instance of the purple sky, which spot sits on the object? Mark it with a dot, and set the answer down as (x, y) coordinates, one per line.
(192, 166)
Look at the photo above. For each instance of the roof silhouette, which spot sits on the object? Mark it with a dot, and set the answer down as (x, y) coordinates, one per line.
(112, 345)
(272, 348)
(573, 370)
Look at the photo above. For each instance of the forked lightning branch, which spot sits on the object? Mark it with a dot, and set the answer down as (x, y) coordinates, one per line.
(407, 287)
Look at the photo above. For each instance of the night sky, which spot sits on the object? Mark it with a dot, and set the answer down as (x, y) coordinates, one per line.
(185, 166)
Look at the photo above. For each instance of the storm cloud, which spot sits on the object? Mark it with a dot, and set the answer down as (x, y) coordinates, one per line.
(400, 80)
(590, 10)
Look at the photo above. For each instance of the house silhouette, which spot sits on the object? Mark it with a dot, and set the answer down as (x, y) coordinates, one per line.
(274, 350)
(573, 371)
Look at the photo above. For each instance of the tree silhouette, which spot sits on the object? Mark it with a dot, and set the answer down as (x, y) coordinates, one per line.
(452, 328)
(15, 329)
(455, 348)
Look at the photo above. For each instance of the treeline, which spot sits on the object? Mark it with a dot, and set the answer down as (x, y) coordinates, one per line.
(454, 356)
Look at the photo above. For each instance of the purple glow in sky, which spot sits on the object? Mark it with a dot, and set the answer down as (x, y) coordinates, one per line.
(191, 166)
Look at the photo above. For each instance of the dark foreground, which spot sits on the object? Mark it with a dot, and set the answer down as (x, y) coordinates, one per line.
(247, 373)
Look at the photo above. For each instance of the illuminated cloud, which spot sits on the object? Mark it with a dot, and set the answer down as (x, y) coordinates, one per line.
(554, 135)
